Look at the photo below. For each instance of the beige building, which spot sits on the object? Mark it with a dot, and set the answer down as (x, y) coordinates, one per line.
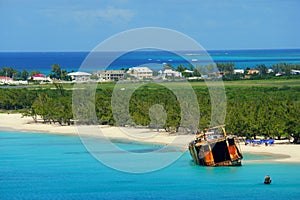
(140, 72)
(111, 75)
(253, 71)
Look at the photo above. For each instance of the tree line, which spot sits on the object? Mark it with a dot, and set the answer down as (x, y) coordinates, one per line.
(56, 73)
(226, 68)
(251, 111)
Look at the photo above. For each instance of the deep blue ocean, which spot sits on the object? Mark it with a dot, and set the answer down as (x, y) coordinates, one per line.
(44, 166)
(242, 59)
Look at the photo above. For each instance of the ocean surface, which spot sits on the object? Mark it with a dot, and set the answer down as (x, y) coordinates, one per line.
(44, 166)
(69, 61)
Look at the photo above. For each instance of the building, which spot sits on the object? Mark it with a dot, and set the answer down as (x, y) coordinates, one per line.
(5, 80)
(169, 73)
(253, 71)
(188, 71)
(111, 75)
(295, 72)
(140, 72)
(80, 76)
(40, 77)
(238, 71)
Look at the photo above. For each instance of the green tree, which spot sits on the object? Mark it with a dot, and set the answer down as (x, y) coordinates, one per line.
(25, 74)
(263, 69)
(56, 72)
(180, 68)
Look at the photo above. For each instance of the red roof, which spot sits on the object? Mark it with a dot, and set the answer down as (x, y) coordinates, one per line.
(38, 75)
(5, 78)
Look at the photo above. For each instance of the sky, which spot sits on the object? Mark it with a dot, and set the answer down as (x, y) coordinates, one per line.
(80, 25)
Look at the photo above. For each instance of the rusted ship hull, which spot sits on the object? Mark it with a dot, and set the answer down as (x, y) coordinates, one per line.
(220, 152)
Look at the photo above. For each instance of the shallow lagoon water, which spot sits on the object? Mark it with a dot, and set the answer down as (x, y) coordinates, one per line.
(44, 166)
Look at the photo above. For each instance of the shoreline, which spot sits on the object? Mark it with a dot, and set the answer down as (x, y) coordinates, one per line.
(15, 122)
(283, 153)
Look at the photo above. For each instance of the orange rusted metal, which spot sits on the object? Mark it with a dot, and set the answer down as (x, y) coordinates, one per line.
(214, 148)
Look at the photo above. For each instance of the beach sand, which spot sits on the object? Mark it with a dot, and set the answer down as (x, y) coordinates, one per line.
(279, 152)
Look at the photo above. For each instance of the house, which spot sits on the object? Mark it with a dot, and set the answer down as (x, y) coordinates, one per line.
(295, 72)
(111, 75)
(140, 72)
(253, 71)
(188, 71)
(169, 73)
(40, 77)
(5, 80)
(238, 71)
(80, 76)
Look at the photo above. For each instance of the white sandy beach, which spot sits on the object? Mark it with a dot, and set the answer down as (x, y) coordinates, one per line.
(280, 152)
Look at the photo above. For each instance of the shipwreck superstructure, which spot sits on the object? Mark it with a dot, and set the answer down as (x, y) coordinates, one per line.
(212, 147)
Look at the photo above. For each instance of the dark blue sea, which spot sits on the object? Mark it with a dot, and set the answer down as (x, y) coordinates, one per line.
(44, 166)
(71, 61)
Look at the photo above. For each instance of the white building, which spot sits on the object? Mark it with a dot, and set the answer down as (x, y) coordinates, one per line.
(169, 73)
(140, 72)
(80, 76)
(188, 71)
(238, 71)
(40, 78)
(295, 72)
(5, 80)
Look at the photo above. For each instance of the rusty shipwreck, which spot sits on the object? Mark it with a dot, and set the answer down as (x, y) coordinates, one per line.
(212, 147)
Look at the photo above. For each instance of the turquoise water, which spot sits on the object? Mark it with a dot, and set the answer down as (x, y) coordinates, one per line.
(69, 61)
(43, 166)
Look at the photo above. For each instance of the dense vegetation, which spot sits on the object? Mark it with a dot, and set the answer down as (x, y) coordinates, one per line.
(251, 111)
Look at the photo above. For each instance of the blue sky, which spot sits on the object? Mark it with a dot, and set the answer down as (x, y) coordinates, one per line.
(80, 25)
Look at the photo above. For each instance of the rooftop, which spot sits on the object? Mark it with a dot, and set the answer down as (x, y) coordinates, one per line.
(141, 69)
(79, 74)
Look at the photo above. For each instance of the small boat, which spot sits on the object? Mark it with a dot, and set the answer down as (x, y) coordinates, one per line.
(194, 60)
(212, 147)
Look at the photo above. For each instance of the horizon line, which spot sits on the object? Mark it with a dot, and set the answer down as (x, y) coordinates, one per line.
(85, 51)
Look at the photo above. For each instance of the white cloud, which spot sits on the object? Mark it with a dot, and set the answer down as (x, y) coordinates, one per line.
(90, 16)
(116, 14)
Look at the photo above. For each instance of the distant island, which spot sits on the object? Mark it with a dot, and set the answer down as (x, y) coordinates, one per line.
(225, 71)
